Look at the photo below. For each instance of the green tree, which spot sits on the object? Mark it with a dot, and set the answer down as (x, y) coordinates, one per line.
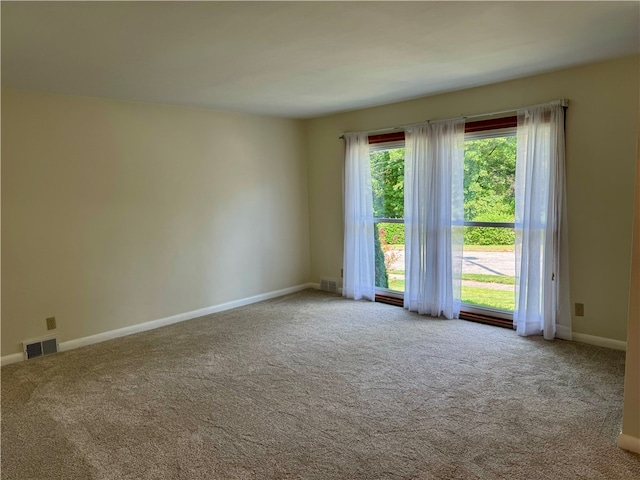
(489, 179)
(382, 278)
(387, 183)
(489, 188)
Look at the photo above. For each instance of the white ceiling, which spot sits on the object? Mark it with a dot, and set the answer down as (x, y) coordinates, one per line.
(300, 59)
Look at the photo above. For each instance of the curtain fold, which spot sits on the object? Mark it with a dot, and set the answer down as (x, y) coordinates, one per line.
(358, 262)
(542, 289)
(434, 168)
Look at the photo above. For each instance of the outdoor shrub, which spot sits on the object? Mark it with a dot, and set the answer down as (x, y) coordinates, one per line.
(382, 279)
(488, 236)
(392, 233)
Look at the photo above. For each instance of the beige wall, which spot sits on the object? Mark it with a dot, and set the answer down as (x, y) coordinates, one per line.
(117, 213)
(631, 417)
(601, 130)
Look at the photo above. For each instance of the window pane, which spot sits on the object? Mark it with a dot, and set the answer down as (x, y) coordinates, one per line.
(489, 179)
(488, 267)
(389, 246)
(387, 182)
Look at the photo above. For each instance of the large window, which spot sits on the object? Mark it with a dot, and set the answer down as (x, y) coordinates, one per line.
(387, 182)
(488, 270)
(488, 275)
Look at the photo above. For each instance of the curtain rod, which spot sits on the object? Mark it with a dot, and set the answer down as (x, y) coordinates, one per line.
(563, 102)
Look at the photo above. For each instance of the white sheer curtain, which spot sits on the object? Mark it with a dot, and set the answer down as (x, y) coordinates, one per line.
(433, 210)
(358, 263)
(542, 296)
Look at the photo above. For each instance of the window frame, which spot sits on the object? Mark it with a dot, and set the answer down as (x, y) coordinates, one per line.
(493, 127)
(387, 141)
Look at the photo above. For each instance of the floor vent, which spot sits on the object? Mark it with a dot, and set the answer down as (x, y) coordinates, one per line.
(328, 285)
(40, 347)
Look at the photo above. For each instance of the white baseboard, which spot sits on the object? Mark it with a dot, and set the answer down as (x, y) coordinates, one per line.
(600, 341)
(627, 442)
(13, 358)
(561, 332)
(564, 332)
(141, 327)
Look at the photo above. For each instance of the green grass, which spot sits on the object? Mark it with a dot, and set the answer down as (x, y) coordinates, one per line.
(487, 297)
(502, 299)
(396, 284)
(482, 277)
(474, 277)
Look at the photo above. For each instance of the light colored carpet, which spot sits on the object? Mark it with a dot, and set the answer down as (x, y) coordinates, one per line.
(314, 386)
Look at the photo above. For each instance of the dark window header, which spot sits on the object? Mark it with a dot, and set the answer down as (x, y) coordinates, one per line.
(469, 127)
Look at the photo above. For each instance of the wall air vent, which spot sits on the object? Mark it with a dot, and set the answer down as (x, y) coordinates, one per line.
(39, 347)
(328, 285)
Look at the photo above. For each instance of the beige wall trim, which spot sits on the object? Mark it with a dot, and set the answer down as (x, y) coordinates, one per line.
(141, 327)
(121, 332)
(13, 358)
(600, 341)
(627, 442)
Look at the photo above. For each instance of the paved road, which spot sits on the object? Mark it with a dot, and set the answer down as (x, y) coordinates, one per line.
(491, 263)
